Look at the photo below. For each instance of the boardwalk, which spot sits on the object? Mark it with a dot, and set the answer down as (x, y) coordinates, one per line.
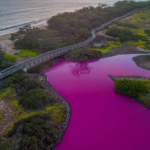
(58, 52)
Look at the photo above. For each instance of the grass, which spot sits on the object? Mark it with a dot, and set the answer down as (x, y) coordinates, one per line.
(108, 48)
(126, 25)
(57, 113)
(25, 53)
(139, 32)
(10, 58)
(1, 118)
(140, 44)
(7, 93)
(142, 16)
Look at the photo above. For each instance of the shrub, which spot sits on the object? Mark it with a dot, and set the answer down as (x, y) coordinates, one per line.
(126, 35)
(10, 58)
(84, 53)
(140, 37)
(35, 98)
(147, 31)
(126, 25)
(113, 31)
(37, 132)
(132, 88)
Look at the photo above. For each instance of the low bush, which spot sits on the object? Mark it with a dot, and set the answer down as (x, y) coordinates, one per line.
(125, 35)
(21, 83)
(132, 88)
(126, 25)
(37, 132)
(35, 98)
(147, 31)
(83, 54)
(113, 31)
(140, 37)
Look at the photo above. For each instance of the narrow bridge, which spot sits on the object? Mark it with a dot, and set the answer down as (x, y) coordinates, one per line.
(58, 52)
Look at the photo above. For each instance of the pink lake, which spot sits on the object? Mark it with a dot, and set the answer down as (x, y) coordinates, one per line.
(101, 118)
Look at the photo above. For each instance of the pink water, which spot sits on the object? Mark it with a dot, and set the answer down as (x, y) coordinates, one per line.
(101, 118)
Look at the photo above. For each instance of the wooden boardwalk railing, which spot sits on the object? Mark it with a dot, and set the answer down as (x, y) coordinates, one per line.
(58, 52)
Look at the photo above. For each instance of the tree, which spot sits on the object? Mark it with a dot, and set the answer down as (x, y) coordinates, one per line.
(26, 37)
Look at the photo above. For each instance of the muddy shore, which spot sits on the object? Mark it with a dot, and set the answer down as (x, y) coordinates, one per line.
(117, 78)
(142, 61)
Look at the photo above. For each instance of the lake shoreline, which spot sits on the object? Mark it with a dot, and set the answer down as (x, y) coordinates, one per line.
(50, 90)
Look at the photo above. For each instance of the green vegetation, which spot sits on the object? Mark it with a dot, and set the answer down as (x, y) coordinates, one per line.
(125, 35)
(132, 88)
(3, 62)
(71, 27)
(142, 16)
(108, 48)
(147, 32)
(126, 25)
(83, 54)
(138, 89)
(25, 53)
(31, 129)
(35, 98)
(10, 58)
(1, 118)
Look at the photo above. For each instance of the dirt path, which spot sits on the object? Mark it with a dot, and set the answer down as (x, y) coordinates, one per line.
(7, 114)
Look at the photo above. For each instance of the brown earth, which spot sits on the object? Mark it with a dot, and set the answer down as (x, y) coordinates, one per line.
(142, 61)
(125, 49)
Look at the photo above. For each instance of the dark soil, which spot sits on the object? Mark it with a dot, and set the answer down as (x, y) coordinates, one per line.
(142, 61)
(43, 66)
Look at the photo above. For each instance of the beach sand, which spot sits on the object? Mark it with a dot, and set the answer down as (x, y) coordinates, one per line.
(7, 44)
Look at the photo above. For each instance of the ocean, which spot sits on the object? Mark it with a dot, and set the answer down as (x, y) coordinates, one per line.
(17, 13)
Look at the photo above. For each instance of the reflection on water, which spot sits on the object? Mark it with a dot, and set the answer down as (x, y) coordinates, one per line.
(81, 68)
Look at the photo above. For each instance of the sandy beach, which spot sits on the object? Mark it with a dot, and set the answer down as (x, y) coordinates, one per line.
(7, 44)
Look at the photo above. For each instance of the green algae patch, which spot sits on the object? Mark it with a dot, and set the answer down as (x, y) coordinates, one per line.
(10, 58)
(25, 53)
(108, 48)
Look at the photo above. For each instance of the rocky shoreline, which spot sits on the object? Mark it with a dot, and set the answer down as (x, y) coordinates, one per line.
(49, 89)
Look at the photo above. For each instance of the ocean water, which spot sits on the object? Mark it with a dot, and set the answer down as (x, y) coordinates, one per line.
(101, 119)
(16, 13)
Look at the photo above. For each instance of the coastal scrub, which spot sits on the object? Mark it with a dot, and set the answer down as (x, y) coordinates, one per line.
(138, 89)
